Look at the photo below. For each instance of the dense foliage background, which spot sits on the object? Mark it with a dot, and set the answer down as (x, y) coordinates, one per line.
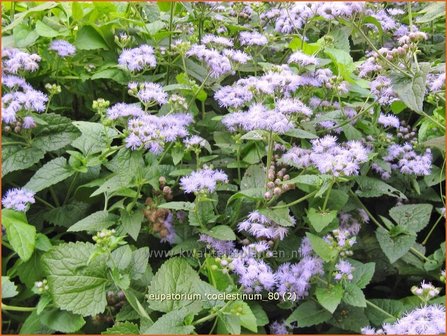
(291, 150)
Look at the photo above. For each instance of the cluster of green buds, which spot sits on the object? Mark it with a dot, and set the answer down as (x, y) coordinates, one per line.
(89, 67)
(442, 277)
(178, 103)
(341, 241)
(122, 40)
(106, 240)
(426, 292)
(100, 106)
(41, 286)
(181, 47)
(222, 263)
(53, 89)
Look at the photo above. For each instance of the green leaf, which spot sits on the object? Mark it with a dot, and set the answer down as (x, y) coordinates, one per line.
(32, 325)
(312, 180)
(319, 219)
(67, 214)
(308, 314)
(18, 158)
(122, 328)
(139, 263)
(411, 91)
(136, 305)
(24, 36)
(431, 12)
(362, 273)
(177, 154)
(349, 318)
(354, 296)
(174, 276)
(89, 39)
(438, 142)
(261, 316)
(300, 134)
(229, 324)
(44, 30)
(246, 316)
(121, 258)
(254, 177)
(221, 232)
(372, 187)
(321, 248)
(280, 216)
(57, 132)
(20, 234)
(75, 285)
(95, 222)
(392, 307)
(329, 298)
(394, 247)
(187, 206)
(171, 324)
(9, 289)
(414, 217)
(62, 321)
(49, 174)
(131, 222)
(94, 137)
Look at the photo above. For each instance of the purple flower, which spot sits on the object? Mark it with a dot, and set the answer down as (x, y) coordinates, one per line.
(15, 60)
(236, 55)
(329, 157)
(18, 199)
(168, 225)
(381, 88)
(62, 48)
(252, 38)
(153, 131)
(28, 100)
(221, 247)
(344, 270)
(235, 97)
(302, 59)
(260, 226)
(137, 59)
(292, 106)
(195, 141)
(388, 120)
(150, 93)
(426, 320)
(217, 63)
(278, 328)
(217, 40)
(122, 110)
(368, 66)
(405, 159)
(15, 82)
(436, 82)
(204, 180)
(28, 122)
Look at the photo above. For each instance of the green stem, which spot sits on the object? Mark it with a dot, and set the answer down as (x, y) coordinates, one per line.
(327, 195)
(410, 19)
(269, 157)
(209, 317)
(197, 159)
(171, 19)
(297, 201)
(41, 200)
(70, 188)
(379, 309)
(197, 92)
(238, 158)
(18, 309)
(53, 194)
(432, 229)
(10, 143)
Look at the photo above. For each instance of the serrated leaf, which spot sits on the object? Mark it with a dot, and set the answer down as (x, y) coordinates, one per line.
(308, 314)
(414, 217)
(131, 222)
(19, 158)
(254, 177)
(94, 137)
(21, 235)
(139, 263)
(349, 318)
(74, 285)
(9, 289)
(68, 214)
(362, 273)
(187, 206)
(171, 324)
(396, 247)
(329, 298)
(319, 219)
(87, 38)
(246, 316)
(392, 307)
(320, 247)
(354, 296)
(411, 91)
(300, 134)
(95, 222)
(221, 232)
(122, 328)
(62, 321)
(372, 187)
(280, 216)
(49, 174)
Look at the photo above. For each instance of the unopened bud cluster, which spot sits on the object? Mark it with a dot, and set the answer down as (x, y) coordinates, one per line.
(426, 291)
(342, 241)
(41, 286)
(275, 183)
(178, 103)
(223, 264)
(123, 40)
(53, 89)
(156, 217)
(105, 238)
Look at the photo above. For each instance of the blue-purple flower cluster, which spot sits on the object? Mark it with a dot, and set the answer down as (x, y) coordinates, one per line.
(259, 226)
(220, 247)
(204, 180)
(329, 157)
(62, 48)
(18, 199)
(426, 320)
(153, 132)
(404, 159)
(138, 59)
